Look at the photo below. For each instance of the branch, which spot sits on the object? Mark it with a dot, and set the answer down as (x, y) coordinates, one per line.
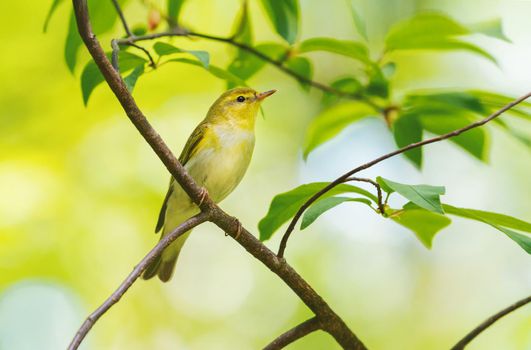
(329, 320)
(277, 63)
(294, 334)
(178, 31)
(488, 322)
(133, 276)
(376, 185)
(344, 177)
(122, 18)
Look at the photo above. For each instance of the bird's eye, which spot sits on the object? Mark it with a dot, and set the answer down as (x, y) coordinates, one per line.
(240, 99)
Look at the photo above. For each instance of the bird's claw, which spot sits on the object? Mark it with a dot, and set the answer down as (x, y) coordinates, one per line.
(203, 194)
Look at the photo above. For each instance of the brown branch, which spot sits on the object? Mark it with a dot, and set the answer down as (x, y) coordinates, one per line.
(342, 178)
(122, 18)
(329, 320)
(277, 63)
(376, 185)
(133, 276)
(488, 322)
(178, 31)
(151, 60)
(294, 334)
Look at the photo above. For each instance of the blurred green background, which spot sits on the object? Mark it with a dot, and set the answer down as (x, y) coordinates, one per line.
(80, 192)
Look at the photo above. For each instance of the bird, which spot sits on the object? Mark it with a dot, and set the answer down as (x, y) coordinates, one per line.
(216, 155)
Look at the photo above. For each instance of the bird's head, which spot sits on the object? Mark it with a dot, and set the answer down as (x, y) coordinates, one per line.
(239, 105)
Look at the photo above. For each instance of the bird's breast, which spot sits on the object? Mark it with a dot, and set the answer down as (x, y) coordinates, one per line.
(221, 166)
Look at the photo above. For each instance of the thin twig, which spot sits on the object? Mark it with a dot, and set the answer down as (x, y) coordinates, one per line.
(151, 60)
(297, 332)
(115, 43)
(122, 18)
(178, 31)
(375, 184)
(342, 178)
(133, 276)
(277, 63)
(488, 322)
(114, 55)
(331, 322)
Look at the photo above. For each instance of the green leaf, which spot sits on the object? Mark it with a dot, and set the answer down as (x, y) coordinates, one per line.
(332, 121)
(501, 222)
(348, 48)
(473, 141)
(303, 67)
(523, 241)
(425, 196)
(284, 15)
(273, 50)
(174, 9)
(430, 31)
(388, 70)
(317, 209)
(495, 101)
(359, 22)
(102, 15)
(91, 75)
(421, 29)
(378, 84)
(130, 80)
(460, 100)
(245, 65)
(491, 217)
(163, 49)
(72, 44)
(454, 44)
(425, 224)
(51, 11)
(139, 30)
(347, 85)
(380, 180)
(492, 28)
(407, 129)
(215, 71)
(285, 205)
(242, 29)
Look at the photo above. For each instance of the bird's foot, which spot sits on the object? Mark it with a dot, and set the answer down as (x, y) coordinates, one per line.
(203, 194)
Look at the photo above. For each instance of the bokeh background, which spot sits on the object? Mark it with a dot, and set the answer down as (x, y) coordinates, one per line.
(80, 192)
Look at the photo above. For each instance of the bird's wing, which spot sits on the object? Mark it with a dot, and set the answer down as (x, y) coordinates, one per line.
(193, 144)
(162, 213)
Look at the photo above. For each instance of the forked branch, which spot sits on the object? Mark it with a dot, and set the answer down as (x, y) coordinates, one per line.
(133, 276)
(325, 318)
(344, 177)
(329, 320)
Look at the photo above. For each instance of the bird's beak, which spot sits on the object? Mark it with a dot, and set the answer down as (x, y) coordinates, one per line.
(265, 94)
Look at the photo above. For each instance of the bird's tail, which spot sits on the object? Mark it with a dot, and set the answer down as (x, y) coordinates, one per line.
(164, 264)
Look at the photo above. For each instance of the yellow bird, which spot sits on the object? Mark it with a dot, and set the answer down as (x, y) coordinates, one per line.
(216, 155)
